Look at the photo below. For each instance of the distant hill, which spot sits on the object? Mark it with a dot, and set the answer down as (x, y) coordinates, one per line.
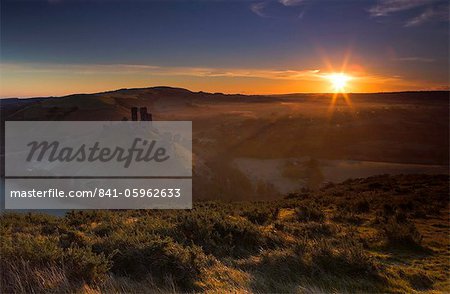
(114, 105)
(111, 105)
(258, 147)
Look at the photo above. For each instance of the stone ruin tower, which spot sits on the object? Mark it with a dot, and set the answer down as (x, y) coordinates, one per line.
(142, 111)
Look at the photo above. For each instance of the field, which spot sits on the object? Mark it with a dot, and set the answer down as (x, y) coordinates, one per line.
(291, 194)
(267, 146)
(376, 234)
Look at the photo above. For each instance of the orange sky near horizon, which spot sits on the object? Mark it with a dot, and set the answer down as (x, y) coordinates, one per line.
(44, 80)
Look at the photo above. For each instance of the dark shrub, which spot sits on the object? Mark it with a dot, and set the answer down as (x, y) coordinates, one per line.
(344, 257)
(388, 210)
(309, 212)
(420, 213)
(35, 250)
(322, 229)
(260, 215)
(401, 217)
(408, 206)
(221, 234)
(362, 206)
(346, 216)
(105, 229)
(72, 238)
(310, 229)
(420, 281)
(143, 254)
(402, 234)
(82, 263)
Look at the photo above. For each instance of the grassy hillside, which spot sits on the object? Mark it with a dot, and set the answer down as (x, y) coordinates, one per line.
(256, 147)
(380, 234)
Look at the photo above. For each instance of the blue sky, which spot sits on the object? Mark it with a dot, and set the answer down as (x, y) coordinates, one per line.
(403, 43)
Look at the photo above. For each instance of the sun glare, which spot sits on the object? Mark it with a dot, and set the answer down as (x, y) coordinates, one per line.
(338, 81)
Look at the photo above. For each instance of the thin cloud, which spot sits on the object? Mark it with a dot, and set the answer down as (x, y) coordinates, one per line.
(440, 13)
(432, 10)
(267, 8)
(127, 69)
(415, 59)
(291, 2)
(258, 9)
(386, 7)
(301, 14)
(124, 70)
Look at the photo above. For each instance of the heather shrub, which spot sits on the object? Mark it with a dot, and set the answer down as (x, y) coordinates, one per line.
(44, 253)
(69, 238)
(362, 206)
(144, 254)
(341, 257)
(35, 250)
(82, 263)
(260, 215)
(347, 216)
(403, 234)
(320, 259)
(419, 280)
(309, 212)
(220, 234)
(310, 229)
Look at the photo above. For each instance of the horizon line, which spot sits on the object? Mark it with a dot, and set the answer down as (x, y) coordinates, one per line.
(222, 93)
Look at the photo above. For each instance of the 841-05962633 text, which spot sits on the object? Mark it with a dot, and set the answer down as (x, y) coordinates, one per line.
(99, 192)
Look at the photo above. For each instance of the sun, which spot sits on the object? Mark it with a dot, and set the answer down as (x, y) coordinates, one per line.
(338, 81)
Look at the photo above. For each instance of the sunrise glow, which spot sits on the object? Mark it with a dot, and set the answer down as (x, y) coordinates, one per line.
(338, 81)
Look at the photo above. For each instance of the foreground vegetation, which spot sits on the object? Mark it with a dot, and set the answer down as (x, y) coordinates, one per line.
(380, 234)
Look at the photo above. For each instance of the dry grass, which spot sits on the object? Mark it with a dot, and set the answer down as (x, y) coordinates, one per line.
(380, 234)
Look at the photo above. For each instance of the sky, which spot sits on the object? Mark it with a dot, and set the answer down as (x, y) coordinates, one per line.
(59, 47)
